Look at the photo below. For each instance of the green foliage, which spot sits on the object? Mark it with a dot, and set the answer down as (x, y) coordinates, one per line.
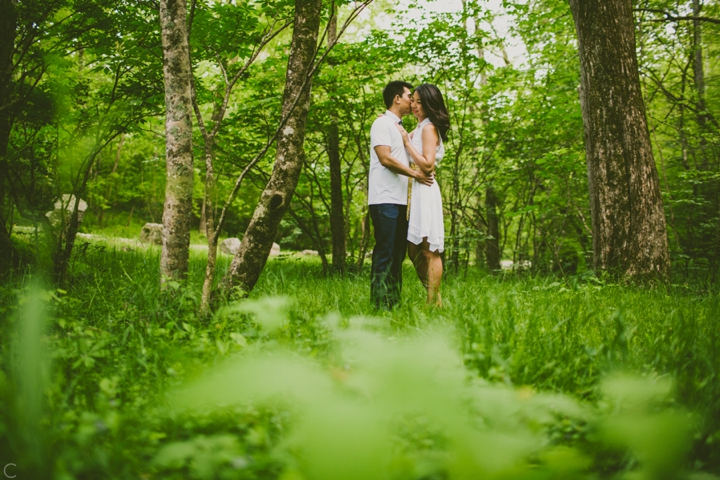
(517, 127)
(679, 70)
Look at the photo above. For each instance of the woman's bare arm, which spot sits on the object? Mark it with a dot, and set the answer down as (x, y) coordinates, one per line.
(394, 165)
(425, 159)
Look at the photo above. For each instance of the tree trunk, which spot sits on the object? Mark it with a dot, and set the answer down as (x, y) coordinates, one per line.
(453, 263)
(212, 237)
(250, 259)
(492, 246)
(709, 189)
(699, 81)
(177, 213)
(480, 224)
(699, 77)
(66, 235)
(337, 214)
(364, 239)
(9, 258)
(8, 26)
(629, 232)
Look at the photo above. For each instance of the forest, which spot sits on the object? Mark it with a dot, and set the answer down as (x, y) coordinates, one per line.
(186, 241)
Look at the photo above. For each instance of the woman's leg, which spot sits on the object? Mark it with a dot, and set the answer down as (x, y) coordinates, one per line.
(434, 276)
(418, 259)
(433, 273)
(428, 266)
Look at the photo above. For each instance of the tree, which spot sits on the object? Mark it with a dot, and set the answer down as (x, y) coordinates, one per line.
(177, 213)
(492, 246)
(68, 92)
(629, 232)
(337, 214)
(250, 260)
(23, 66)
(8, 25)
(678, 67)
(345, 95)
(244, 27)
(248, 263)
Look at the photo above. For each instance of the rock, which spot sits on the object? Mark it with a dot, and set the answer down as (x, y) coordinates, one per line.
(152, 233)
(521, 265)
(230, 246)
(65, 206)
(309, 252)
(524, 265)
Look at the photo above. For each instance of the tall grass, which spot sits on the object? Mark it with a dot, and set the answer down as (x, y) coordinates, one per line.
(306, 380)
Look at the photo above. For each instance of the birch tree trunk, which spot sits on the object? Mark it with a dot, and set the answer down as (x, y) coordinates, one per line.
(248, 263)
(629, 231)
(208, 223)
(177, 213)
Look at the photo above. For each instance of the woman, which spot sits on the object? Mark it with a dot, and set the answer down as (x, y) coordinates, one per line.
(426, 232)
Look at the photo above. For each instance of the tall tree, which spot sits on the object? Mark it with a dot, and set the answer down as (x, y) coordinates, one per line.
(258, 36)
(8, 25)
(337, 214)
(177, 214)
(629, 231)
(248, 263)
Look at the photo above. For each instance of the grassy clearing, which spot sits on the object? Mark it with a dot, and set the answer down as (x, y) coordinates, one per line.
(516, 377)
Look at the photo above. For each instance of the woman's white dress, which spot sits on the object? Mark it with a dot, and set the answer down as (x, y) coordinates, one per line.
(426, 211)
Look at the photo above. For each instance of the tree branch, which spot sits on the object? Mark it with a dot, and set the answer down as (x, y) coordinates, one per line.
(670, 17)
(283, 121)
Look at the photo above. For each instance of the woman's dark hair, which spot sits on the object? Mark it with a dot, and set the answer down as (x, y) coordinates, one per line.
(434, 106)
(394, 89)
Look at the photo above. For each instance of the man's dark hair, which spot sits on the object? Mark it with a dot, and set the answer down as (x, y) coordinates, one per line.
(393, 89)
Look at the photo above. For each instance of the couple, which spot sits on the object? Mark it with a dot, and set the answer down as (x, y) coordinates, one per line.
(407, 215)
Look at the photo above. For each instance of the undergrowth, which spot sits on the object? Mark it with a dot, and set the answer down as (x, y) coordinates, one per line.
(516, 377)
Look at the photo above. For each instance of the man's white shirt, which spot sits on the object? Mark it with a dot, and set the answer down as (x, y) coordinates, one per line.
(384, 185)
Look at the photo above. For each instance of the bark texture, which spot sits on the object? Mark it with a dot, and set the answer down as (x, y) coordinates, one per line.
(177, 214)
(248, 263)
(629, 231)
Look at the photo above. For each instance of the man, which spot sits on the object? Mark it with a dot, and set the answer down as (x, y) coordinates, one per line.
(387, 196)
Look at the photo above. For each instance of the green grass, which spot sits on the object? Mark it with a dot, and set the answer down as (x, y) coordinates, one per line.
(116, 352)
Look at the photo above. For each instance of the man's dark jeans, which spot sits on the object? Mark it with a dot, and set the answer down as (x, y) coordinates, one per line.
(391, 228)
